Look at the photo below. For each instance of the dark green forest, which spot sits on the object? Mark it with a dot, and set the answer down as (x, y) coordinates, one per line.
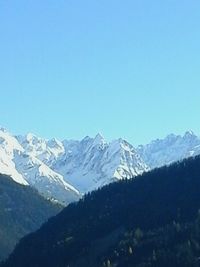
(151, 220)
(176, 244)
(22, 210)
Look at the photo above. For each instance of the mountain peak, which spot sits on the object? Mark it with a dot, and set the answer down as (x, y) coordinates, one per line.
(99, 140)
(121, 143)
(170, 149)
(3, 129)
(30, 137)
(189, 133)
(54, 142)
(99, 136)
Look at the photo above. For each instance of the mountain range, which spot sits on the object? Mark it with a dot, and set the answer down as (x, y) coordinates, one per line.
(65, 170)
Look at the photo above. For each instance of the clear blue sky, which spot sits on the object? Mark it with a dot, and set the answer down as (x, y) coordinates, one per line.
(71, 68)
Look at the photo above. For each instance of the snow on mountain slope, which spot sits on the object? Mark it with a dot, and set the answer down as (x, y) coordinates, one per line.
(65, 170)
(8, 145)
(26, 169)
(45, 150)
(8, 167)
(92, 162)
(46, 181)
(170, 149)
(86, 164)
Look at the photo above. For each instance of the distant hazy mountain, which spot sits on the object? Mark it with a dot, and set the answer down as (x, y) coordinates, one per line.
(170, 149)
(22, 210)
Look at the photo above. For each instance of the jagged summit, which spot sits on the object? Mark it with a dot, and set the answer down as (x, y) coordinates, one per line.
(3, 129)
(65, 170)
(99, 137)
(31, 137)
(21, 158)
(190, 135)
(170, 149)
(93, 162)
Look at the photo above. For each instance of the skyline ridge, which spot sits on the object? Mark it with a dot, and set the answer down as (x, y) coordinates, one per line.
(99, 135)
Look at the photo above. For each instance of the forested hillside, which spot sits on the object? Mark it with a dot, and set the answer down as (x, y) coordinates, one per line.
(22, 210)
(151, 220)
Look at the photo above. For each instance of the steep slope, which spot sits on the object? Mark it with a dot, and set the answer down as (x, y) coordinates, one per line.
(49, 183)
(21, 163)
(8, 144)
(162, 152)
(22, 210)
(45, 150)
(88, 232)
(93, 162)
(87, 164)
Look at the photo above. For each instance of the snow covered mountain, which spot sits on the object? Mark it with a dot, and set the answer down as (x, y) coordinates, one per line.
(9, 144)
(170, 149)
(92, 162)
(45, 150)
(25, 168)
(44, 179)
(66, 170)
(86, 164)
